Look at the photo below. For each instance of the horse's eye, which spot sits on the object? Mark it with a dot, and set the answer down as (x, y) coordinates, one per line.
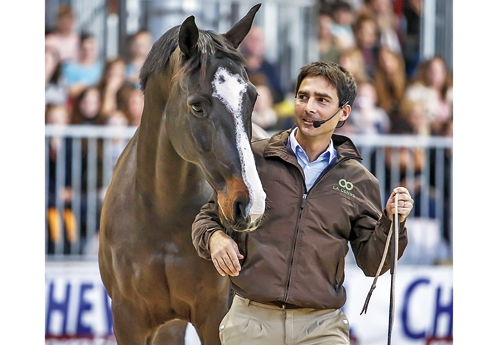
(197, 109)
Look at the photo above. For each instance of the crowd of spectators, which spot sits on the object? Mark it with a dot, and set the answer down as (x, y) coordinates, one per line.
(73, 69)
(80, 89)
(376, 40)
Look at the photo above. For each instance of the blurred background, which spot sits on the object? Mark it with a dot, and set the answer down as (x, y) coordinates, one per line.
(401, 55)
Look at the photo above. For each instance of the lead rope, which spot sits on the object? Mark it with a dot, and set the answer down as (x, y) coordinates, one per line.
(395, 226)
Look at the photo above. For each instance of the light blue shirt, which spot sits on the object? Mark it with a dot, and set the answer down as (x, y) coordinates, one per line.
(74, 72)
(312, 170)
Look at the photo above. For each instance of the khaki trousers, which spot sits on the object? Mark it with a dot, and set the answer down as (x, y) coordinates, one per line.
(252, 323)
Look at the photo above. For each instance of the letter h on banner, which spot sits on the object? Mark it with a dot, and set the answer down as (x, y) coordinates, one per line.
(54, 306)
(443, 309)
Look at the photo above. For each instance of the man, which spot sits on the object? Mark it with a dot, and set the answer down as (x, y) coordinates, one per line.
(253, 48)
(288, 274)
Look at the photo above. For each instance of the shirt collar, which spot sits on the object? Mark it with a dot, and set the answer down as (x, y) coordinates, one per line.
(329, 153)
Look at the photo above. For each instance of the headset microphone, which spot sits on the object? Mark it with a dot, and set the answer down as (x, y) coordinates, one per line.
(316, 124)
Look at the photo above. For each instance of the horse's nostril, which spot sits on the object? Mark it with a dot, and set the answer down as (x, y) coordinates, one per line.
(239, 209)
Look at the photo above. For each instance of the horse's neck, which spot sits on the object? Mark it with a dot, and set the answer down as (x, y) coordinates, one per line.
(161, 172)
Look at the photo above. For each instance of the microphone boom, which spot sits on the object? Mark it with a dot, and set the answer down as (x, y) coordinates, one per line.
(317, 124)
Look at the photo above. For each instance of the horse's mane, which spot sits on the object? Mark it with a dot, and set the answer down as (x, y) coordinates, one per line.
(209, 43)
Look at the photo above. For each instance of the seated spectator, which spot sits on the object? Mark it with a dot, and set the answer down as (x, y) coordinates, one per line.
(139, 47)
(135, 106)
(286, 109)
(327, 44)
(117, 120)
(263, 113)
(366, 116)
(114, 87)
(253, 48)
(352, 60)
(413, 113)
(87, 108)
(63, 38)
(60, 219)
(390, 81)
(387, 22)
(410, 34)
(86, 71)
(438, 178)
(433, 86)
(88, 189)
(367, 35)
(341, 28)
(56, 89)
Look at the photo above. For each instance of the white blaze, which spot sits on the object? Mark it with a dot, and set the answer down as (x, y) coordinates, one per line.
(229, 89)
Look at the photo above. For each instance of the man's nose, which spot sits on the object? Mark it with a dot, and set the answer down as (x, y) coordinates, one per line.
(310, 106)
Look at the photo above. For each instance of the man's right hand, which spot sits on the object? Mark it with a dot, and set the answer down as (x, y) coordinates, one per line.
(225, 254)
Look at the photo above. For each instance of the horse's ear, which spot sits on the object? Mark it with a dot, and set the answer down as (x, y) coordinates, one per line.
(237, 33)
(188, 37)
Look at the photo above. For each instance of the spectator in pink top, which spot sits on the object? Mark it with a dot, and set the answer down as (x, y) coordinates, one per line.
(64, 37)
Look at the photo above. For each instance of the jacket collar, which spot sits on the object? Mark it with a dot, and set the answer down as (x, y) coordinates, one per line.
(276, 146)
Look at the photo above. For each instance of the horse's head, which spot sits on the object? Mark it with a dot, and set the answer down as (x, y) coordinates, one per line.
(208, 117)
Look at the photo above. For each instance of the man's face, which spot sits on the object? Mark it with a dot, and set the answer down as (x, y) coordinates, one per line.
(317, 100)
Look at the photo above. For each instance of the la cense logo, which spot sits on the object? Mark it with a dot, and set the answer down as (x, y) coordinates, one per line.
(345, 187)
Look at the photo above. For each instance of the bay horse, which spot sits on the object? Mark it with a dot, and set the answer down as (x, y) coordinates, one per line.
(193, 140)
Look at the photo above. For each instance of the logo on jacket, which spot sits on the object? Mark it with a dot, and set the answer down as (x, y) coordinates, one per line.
(345, 187)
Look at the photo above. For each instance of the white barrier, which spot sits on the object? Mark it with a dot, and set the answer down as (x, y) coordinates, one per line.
(77, 304)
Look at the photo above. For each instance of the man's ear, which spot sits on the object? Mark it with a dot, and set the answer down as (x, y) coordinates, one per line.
(346, 111)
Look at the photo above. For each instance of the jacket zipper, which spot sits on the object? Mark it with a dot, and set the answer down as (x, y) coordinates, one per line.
(302, 206)
(296, 233)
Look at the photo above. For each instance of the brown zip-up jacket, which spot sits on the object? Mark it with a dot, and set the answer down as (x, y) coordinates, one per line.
(297, 254)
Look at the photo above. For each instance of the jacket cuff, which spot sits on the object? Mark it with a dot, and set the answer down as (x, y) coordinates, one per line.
(385, 224)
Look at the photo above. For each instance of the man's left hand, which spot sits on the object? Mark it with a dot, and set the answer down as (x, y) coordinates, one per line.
(405, 203)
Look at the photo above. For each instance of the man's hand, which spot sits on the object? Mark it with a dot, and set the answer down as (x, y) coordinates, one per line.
(225, 254)
(405, 203)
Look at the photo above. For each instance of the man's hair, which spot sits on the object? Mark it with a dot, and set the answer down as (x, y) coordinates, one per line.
(337, 75)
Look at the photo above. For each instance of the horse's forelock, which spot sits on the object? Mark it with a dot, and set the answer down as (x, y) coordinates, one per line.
(209, 43)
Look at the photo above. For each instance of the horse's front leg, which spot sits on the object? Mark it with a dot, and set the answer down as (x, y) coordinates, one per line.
(207, 317)
(131, 326)
(171, 333)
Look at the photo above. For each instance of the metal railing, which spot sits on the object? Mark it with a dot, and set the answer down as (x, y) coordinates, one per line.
(79, 163)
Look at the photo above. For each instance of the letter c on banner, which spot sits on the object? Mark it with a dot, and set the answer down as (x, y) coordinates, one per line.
(413, 334)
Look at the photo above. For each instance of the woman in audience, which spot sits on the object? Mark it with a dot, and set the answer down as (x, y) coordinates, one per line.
(139, 47)
(366, 116)
(327, 43)
(367, 35)
(433, 86)
(114, 87)
(86, 71)
(56, 89)
(89, 189)
(390, 81)
(135, 106)
(352, 60)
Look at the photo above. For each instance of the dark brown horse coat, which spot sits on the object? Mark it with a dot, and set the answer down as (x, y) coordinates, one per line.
(193, 140)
